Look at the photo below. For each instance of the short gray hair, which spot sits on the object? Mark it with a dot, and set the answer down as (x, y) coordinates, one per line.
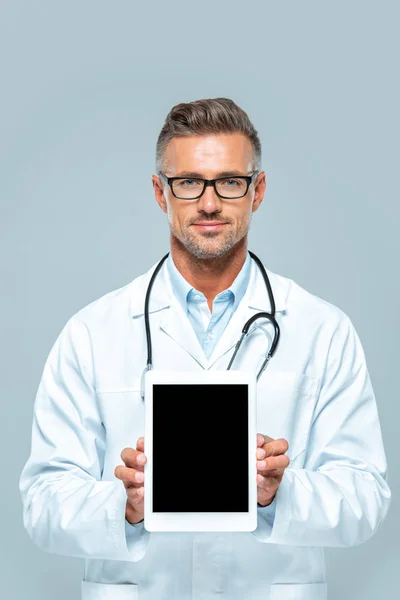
(201, 117)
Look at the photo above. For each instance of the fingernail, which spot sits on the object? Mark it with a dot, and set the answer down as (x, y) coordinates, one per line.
(261, 464)
(141, 459)
(139, 476)
(261, 453)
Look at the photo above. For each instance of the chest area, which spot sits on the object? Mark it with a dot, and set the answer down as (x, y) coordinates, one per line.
(286, 391)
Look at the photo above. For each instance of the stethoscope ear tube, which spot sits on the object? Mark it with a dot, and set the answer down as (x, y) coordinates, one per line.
(245, 331)
(273, 345)
(149, 364)
(146, 312)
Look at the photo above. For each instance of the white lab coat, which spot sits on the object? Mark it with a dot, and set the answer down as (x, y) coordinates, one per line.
(315, 393)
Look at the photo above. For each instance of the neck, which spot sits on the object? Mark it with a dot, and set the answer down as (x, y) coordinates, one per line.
(212, 275)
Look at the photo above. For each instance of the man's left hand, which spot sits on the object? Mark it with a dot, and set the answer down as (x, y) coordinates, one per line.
(270, 467)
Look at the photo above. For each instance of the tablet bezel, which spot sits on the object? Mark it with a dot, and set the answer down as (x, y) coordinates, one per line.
(196, 521)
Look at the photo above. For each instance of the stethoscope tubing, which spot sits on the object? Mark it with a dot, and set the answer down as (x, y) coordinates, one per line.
(265, 315)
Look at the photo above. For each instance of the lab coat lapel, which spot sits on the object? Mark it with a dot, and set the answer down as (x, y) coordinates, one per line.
(175, 323)
(172, 320)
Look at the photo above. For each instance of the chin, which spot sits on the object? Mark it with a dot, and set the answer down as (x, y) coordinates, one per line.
(207, 252)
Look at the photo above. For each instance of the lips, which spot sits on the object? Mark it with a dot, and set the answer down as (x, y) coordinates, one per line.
(209, 223)
(210, 226)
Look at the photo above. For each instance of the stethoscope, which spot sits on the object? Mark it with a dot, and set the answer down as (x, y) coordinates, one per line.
(270, 316)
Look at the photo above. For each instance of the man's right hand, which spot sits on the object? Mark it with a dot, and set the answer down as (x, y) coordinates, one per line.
(132, 476)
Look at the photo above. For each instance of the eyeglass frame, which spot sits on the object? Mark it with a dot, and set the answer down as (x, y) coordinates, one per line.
(207, 182)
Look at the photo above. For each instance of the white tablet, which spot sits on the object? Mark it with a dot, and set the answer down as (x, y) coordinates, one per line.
(200, 444)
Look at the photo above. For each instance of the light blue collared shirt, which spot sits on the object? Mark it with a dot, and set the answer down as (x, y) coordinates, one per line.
(209, 326)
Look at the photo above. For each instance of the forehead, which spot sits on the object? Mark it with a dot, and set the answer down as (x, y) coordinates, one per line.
(209, 154)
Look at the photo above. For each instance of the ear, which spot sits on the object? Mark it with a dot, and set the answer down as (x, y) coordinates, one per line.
(159, 193)
(259, 189)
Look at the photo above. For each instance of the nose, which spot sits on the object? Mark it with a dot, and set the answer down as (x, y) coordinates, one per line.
(209, 202)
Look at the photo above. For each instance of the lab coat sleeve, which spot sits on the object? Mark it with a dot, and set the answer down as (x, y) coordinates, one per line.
(341, 495)
(67, 508)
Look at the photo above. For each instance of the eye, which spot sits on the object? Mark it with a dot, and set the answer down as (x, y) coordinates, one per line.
(232, 182)
(187, 182)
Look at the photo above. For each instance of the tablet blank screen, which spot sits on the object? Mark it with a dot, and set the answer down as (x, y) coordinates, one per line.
(200, 448)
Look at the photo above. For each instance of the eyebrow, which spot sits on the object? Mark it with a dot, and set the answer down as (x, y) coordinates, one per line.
(221, 174)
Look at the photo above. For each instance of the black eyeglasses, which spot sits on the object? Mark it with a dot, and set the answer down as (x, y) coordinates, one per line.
(192, 188)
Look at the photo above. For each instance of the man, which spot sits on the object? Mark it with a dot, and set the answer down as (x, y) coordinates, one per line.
(321, 465)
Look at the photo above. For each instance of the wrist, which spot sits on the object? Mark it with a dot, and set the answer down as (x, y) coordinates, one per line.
(267, 504)
(135, 522)
(132, 516)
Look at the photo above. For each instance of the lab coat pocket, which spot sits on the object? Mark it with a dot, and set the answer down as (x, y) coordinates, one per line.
(91, 590)
(299, 591)
(285, 405)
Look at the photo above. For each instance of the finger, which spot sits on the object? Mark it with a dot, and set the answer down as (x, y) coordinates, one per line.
(133, 458)
(135, 496)
(260, 453)
(140, 444)
(130, 477)
(263, 439)
(260, 440)
(276, 447)
(273, 463)
(266, 483)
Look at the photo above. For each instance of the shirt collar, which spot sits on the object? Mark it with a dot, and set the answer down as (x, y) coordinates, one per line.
(182, 288)
(179, 284)
(162, 293)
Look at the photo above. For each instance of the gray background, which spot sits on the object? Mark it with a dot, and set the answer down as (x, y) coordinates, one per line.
(85, 87)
